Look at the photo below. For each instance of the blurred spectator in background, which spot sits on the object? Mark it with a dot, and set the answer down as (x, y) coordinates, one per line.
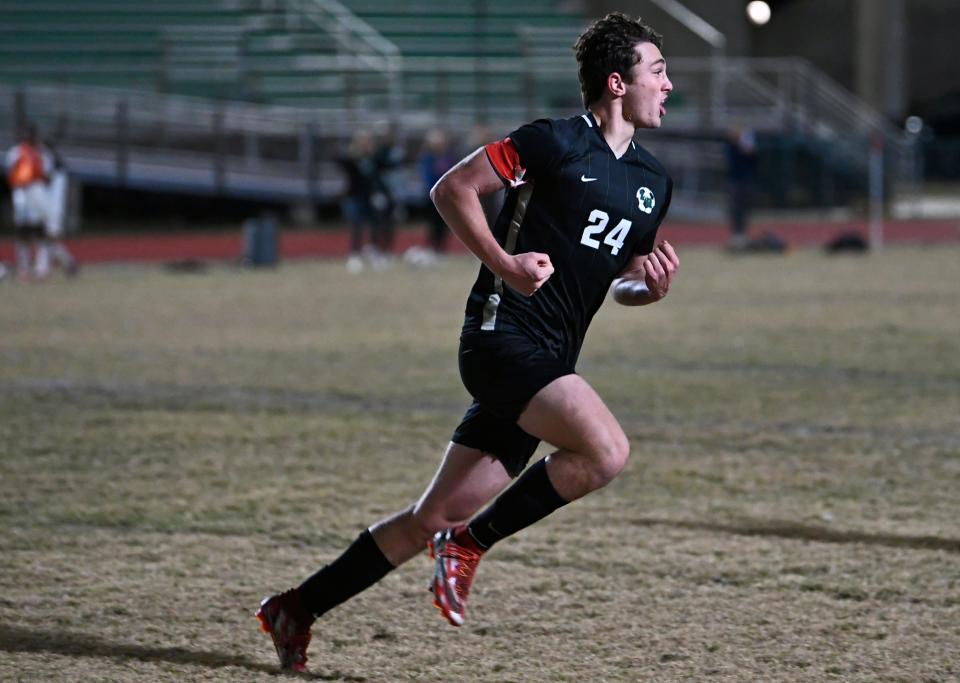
(363, 181)
(51, 247)
(27, 170)
(741, 153)
(436, 160)
(389, 157)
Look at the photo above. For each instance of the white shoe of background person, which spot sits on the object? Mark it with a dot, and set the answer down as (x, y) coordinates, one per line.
(354, 264)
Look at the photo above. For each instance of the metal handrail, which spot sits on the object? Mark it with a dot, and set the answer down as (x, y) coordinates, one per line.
(347, 20)
(387, 55)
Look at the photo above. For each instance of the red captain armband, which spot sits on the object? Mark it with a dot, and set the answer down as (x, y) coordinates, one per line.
(505, 160)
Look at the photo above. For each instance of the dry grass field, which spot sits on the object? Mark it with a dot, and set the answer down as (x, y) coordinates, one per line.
(176, 446)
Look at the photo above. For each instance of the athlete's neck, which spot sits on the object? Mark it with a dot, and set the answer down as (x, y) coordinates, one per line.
(617, 131)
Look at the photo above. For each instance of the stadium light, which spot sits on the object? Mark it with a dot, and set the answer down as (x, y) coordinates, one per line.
(758, 12)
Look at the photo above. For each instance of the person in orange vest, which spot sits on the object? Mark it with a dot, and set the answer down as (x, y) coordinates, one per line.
(28, 168)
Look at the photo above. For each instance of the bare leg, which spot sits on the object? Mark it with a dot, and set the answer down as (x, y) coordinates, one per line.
(466, 480)
(22, 249)
(593, 449)
(42, 267)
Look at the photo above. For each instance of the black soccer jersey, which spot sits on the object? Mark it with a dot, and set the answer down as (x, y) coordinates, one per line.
(587, 210)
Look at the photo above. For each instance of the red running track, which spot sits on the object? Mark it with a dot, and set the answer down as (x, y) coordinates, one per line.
(220, 246)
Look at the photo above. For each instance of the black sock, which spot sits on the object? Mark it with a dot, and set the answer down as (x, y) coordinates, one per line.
(529, 499)
(359, 567)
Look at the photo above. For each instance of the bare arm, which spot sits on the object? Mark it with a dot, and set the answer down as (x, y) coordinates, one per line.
(457, 198)
(647, 279)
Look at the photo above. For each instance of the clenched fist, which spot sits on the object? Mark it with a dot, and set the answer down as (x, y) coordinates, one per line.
(528, 272)
(659, 267)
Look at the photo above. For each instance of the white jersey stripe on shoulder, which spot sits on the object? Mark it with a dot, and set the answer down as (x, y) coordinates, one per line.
(586, 117)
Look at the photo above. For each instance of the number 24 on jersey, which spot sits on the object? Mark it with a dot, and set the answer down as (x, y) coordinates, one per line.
(598, 223)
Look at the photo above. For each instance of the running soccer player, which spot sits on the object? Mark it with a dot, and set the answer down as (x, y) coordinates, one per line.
(581, 217)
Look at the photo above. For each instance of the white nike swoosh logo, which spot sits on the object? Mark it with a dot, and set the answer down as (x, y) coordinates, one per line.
(585, 179)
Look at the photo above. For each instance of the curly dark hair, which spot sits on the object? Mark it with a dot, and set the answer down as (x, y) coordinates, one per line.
(608, 46)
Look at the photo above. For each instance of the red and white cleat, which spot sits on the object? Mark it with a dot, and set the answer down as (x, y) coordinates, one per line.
(455, 565)
(288, 622)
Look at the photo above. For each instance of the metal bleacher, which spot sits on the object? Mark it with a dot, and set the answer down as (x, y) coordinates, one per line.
(293, 52)
(93, 42)
(253, 98)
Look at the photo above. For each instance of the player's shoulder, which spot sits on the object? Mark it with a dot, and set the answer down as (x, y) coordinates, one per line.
(563, 131)
(573, 129)
(544, 144)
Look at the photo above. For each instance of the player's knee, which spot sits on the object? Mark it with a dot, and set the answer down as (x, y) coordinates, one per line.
(414, 525)
(430, 520)
(611, 457)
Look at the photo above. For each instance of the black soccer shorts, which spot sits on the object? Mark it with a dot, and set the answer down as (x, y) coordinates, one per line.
(503, 372)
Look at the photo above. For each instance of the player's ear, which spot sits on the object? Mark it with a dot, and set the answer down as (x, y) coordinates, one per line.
(616, 84)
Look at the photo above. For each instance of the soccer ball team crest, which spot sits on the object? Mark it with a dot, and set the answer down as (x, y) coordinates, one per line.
(645, 199)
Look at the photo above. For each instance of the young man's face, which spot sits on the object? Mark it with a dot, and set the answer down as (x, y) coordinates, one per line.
(643, 103)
